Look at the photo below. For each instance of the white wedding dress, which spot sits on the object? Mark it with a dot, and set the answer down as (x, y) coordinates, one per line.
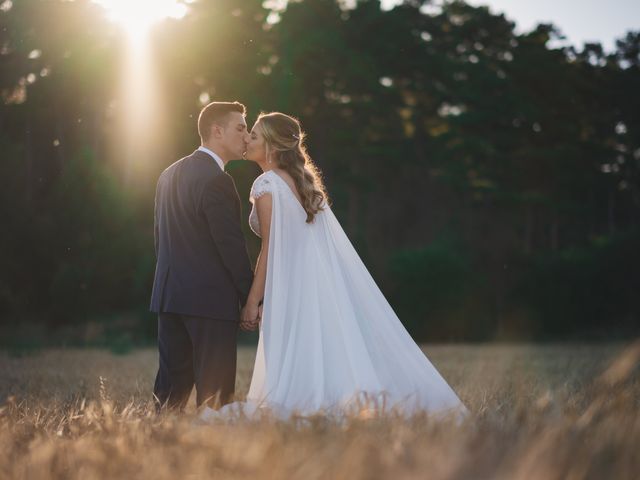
(329, 340)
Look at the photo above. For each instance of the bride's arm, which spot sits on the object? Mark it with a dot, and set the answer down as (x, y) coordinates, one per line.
(263, 209)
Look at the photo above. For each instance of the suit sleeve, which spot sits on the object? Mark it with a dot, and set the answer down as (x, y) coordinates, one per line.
(221, 208)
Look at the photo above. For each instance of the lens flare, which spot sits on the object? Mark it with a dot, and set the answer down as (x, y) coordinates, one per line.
(137, 16)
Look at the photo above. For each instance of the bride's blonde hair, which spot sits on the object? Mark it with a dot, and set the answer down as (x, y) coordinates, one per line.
(284, 140)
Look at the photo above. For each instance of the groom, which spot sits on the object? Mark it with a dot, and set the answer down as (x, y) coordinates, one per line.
(203, 273)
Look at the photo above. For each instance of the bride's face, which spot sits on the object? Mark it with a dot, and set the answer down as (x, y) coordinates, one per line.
(257, 147)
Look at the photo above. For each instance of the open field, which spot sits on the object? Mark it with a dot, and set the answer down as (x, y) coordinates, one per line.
(539, 412)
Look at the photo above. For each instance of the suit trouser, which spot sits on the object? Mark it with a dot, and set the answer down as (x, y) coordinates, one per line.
(195, 350)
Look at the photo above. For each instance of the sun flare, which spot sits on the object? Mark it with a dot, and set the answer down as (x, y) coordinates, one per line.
(137, 16)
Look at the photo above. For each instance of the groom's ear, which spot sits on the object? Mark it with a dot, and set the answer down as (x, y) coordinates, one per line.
(216, 130)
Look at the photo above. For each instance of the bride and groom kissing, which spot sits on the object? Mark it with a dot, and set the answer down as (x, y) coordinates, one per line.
(328, 339)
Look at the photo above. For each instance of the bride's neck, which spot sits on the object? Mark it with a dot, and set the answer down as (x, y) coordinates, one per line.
(266, 166)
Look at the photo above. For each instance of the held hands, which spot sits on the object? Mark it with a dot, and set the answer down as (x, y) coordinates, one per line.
(250, 317)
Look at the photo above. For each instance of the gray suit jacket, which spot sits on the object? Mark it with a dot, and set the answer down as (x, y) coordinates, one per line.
(202, 264)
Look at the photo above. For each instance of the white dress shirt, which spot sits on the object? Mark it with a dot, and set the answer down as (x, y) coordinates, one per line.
(215, 157)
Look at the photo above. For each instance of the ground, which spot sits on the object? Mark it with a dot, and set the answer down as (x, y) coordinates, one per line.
(538, 411)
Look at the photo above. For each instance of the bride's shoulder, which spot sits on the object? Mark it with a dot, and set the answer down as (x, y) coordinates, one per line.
(262, 184)
(264, 179)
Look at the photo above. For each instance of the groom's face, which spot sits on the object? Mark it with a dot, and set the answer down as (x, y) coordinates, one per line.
(233, 136)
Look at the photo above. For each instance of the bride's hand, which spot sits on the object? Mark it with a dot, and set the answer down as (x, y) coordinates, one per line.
(249, 317)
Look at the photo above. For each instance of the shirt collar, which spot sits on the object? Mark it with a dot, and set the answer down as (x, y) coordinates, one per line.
(215, 157)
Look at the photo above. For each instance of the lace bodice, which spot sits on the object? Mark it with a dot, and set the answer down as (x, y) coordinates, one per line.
(263, 184)
(271, 182)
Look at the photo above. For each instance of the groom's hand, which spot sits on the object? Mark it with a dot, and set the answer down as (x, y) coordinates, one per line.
(244, 325)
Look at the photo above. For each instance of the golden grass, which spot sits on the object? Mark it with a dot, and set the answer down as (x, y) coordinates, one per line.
(539, 412)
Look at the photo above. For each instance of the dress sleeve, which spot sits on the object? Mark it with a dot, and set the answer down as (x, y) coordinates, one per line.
(261, 185)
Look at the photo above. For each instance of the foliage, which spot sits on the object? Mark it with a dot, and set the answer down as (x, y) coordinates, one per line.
(423, 120)
(433, 284)
(588, 283)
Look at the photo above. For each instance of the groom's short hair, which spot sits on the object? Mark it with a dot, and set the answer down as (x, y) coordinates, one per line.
(216, 112)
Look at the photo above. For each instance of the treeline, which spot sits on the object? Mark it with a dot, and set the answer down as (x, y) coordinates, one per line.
(489, 181)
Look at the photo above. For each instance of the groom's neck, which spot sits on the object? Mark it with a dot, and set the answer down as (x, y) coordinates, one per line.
(217, 150)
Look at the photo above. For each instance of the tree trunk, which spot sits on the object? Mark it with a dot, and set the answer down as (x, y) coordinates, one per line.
(592, 217)
(352, 212)
(527, 246)
(555, 241)
(611, 204)
(28, 152)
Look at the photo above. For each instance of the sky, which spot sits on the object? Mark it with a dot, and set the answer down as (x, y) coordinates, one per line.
(579, 20)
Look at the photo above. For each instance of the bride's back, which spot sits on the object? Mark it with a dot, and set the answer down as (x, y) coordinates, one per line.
(284, 175)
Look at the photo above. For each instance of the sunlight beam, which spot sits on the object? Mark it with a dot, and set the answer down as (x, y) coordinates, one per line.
(139, 99)
(137, 16)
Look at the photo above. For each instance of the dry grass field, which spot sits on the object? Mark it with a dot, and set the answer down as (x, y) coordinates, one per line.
(539, 412)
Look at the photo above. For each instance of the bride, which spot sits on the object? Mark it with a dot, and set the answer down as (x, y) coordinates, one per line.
(329, 341)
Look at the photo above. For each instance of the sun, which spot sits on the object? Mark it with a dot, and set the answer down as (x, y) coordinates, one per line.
(137, 16)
